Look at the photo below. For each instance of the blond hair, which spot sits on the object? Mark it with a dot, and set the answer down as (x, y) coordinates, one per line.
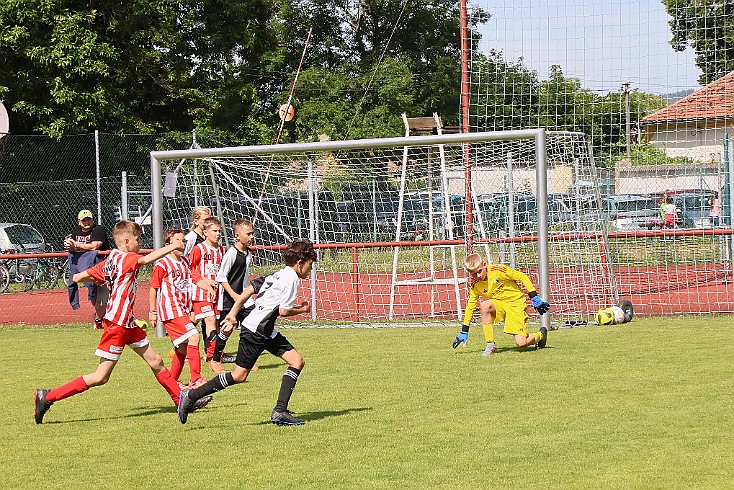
(473, 262)
(197, 212)
(123, 228)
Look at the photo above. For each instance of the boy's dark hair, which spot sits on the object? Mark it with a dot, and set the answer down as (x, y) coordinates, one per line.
(299, 250)
(210, 221)
(168, 234)
(123, 227)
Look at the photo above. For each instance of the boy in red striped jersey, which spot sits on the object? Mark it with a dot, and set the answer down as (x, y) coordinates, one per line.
(504, 301)
(120, 272)
(172, 277)
(205, 259)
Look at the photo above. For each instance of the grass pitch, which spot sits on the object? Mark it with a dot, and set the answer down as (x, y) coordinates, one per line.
(642, 405)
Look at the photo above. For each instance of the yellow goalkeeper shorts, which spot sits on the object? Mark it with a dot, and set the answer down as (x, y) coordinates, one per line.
(514, 316)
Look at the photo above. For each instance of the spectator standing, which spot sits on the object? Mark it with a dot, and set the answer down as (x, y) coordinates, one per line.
(83, 243)
(715, 209)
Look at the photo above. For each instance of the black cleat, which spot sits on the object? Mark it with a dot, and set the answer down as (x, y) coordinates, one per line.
(228, 358)
(200, 403)
(183, 409)
(541, 342)
(285, 418)
(40, 405)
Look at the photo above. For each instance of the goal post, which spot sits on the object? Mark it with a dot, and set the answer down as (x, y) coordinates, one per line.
(344, 196)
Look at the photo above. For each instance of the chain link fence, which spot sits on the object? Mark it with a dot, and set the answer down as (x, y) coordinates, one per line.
(45, 182)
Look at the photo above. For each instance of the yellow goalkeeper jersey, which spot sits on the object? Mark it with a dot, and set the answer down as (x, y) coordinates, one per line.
(501, 284)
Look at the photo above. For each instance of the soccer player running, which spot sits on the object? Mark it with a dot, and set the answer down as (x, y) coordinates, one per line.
(205, 259)
(120, 272)
(504, 300)
(277, 297)
(173, 279)
(233, 279)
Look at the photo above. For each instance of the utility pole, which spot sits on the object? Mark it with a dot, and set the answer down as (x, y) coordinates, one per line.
(627, 128)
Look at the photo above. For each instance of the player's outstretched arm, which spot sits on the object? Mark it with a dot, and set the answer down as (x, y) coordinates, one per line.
(304, 307)
(161, 252)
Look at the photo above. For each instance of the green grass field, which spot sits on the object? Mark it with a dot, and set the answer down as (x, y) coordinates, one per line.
(641, 405)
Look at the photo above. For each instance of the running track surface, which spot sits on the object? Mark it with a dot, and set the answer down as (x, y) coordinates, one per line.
(362, 297)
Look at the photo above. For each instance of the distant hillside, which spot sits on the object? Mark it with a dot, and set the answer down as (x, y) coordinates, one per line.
(676, 96)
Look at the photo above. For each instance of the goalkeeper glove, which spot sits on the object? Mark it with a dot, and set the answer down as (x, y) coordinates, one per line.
(461, 339)
(540, 306)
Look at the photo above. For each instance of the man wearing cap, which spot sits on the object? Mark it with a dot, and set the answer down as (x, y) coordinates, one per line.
(82, 245)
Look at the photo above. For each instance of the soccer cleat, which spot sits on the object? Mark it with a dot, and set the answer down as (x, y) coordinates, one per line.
(98, 323)
(40, 405)
(201, 381)
(228, 359)
(216, 367)
(201, 403)
(285, 418)
(541, 342)
(489, 350)
(183, 409)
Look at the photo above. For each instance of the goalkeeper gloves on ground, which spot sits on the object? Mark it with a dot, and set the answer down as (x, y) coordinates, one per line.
(540, 306)
(461, 339)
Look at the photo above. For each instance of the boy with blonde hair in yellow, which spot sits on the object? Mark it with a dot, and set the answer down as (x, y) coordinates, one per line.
(503, 300)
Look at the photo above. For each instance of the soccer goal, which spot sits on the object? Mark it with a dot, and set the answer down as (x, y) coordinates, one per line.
(390, 212)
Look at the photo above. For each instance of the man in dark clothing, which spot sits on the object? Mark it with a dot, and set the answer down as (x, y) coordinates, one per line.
(82, 245)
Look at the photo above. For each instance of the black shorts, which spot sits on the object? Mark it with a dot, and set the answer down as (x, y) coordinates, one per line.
(252, 344)
(240, 316)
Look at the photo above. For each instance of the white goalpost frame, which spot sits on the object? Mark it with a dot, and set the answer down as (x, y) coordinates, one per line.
(537, 135)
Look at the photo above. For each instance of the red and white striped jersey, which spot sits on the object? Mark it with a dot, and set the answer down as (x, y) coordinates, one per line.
(120, 272)
(205, 260)
(173, 279)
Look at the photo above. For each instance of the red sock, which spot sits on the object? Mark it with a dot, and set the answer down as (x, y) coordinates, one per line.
(167, 382)
(73, 387)
(177, 364)
(194, 357)
(210, 348)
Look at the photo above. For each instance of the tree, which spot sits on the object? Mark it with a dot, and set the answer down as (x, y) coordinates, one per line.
(138, 66)
(708, 27)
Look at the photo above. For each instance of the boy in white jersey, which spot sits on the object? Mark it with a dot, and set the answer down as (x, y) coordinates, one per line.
(172, 278)
(120, 272)
(277, 297)
(205, 259)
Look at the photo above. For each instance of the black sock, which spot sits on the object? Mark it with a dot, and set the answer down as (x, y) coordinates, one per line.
(217, 383)
(290, 376)
(219, 347)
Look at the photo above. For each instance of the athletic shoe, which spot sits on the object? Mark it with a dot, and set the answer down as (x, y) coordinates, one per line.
(183, 409)
(40, 405)
(201, 381)
(217, 367)
(489, 350)
(201, 403)
(181, 386)
(98, 323)
(228, 358)
(541, 342)
(285, 418)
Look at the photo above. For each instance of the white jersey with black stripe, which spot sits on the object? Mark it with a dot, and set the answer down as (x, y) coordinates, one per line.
(279, 290)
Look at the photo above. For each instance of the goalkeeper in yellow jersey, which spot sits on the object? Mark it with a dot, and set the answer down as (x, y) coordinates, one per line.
(504, 300)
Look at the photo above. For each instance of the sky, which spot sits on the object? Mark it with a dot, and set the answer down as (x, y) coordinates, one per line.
(604, 43)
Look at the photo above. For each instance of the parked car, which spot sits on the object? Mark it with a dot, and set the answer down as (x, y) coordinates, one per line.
(693, 209)
(629, 212)
(20, 238)
(494, 212)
